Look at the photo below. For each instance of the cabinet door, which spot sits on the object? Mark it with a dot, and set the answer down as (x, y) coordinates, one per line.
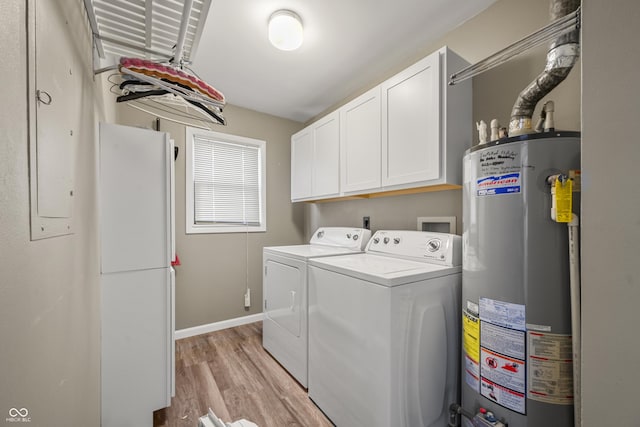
(135, 191)
(301, 164)
(411, 125)
(360, 143)
(326, 156)
(135, 346)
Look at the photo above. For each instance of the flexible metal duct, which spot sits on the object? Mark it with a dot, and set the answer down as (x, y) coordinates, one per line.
(561, 57)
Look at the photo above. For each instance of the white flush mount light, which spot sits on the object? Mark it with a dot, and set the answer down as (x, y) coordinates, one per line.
(285, 30)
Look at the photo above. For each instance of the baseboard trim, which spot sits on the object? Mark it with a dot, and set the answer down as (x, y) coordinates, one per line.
(217, 326)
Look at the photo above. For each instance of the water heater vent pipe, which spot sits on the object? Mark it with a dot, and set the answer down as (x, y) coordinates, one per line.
(561, 57)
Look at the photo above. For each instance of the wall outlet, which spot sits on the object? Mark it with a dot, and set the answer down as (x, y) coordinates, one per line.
(366, 223)
(247, 298)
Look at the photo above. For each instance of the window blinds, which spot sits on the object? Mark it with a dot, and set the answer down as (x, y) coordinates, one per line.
(226, 182)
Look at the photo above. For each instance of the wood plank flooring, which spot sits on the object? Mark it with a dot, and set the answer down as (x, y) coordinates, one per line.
(231, 373)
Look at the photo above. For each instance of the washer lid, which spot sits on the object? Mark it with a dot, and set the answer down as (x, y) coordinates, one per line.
(383, 270)
(308, 251)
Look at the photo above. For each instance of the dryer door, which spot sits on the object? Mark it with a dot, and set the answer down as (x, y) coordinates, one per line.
(283, 293)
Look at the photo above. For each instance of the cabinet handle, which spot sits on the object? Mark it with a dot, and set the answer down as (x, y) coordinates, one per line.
(43, 97)
(293, 300)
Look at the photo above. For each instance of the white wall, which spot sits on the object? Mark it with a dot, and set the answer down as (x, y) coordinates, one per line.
(610, 212)
(49, 289)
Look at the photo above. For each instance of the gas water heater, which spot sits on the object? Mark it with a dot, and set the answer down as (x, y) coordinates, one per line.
(516, 311)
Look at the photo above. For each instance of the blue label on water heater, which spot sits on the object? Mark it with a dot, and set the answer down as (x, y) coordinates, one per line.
(498, 184)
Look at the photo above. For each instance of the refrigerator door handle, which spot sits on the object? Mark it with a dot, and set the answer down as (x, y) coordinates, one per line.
(172, 200)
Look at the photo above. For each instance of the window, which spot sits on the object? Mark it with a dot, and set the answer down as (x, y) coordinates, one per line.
(225, 183)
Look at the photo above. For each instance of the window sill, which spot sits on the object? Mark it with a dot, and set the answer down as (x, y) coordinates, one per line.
(208, 229)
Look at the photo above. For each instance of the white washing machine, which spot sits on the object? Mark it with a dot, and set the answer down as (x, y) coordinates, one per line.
(284, 290)
(384, 331)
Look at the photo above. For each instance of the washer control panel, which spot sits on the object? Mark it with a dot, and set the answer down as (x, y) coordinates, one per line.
(437, 248)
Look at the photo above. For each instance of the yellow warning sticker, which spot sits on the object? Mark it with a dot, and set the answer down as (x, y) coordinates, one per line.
(471, 336)
(563, 200)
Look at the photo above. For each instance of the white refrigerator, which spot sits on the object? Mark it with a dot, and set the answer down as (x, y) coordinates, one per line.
(137, 280)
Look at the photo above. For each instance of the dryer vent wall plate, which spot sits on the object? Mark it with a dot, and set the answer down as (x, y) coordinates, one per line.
(437, 224)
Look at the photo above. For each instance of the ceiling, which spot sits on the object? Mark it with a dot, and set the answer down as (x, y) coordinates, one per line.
(349, 44)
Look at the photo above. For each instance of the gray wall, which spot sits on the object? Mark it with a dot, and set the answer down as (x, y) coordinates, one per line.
(610, 212)
(393, 212)
(211, 282)
(49, 289)
(494, 93)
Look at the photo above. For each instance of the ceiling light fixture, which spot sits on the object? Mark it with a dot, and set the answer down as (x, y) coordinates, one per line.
(285, 30)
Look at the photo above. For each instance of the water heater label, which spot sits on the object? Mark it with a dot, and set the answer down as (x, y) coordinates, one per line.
(471, 346)
(472, 373)
(550, 374)
(503, 370)
(503, 396)
(502, 353)
(502, 365)
(498, 184)
(471, 335)
(503, 313)
(506, 341)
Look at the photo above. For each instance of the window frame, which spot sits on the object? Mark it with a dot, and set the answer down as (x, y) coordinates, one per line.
(193, 228)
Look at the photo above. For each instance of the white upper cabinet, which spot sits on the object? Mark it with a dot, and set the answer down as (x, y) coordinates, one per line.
(360, 143)
(301, 164)
(315, 160)
(426, 124)
(326, 156)
(411, 125)
(409, 132)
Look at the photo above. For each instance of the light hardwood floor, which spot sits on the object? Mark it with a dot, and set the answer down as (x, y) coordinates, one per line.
(229, 372)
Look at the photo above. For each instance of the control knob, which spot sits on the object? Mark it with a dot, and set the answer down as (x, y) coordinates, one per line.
(433, 245)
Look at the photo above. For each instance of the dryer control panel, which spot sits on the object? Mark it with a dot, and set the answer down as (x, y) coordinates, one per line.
(436, 248)
(344, 237)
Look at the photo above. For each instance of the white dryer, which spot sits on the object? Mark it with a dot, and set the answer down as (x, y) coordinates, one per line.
(284, 290)
(384, 331)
